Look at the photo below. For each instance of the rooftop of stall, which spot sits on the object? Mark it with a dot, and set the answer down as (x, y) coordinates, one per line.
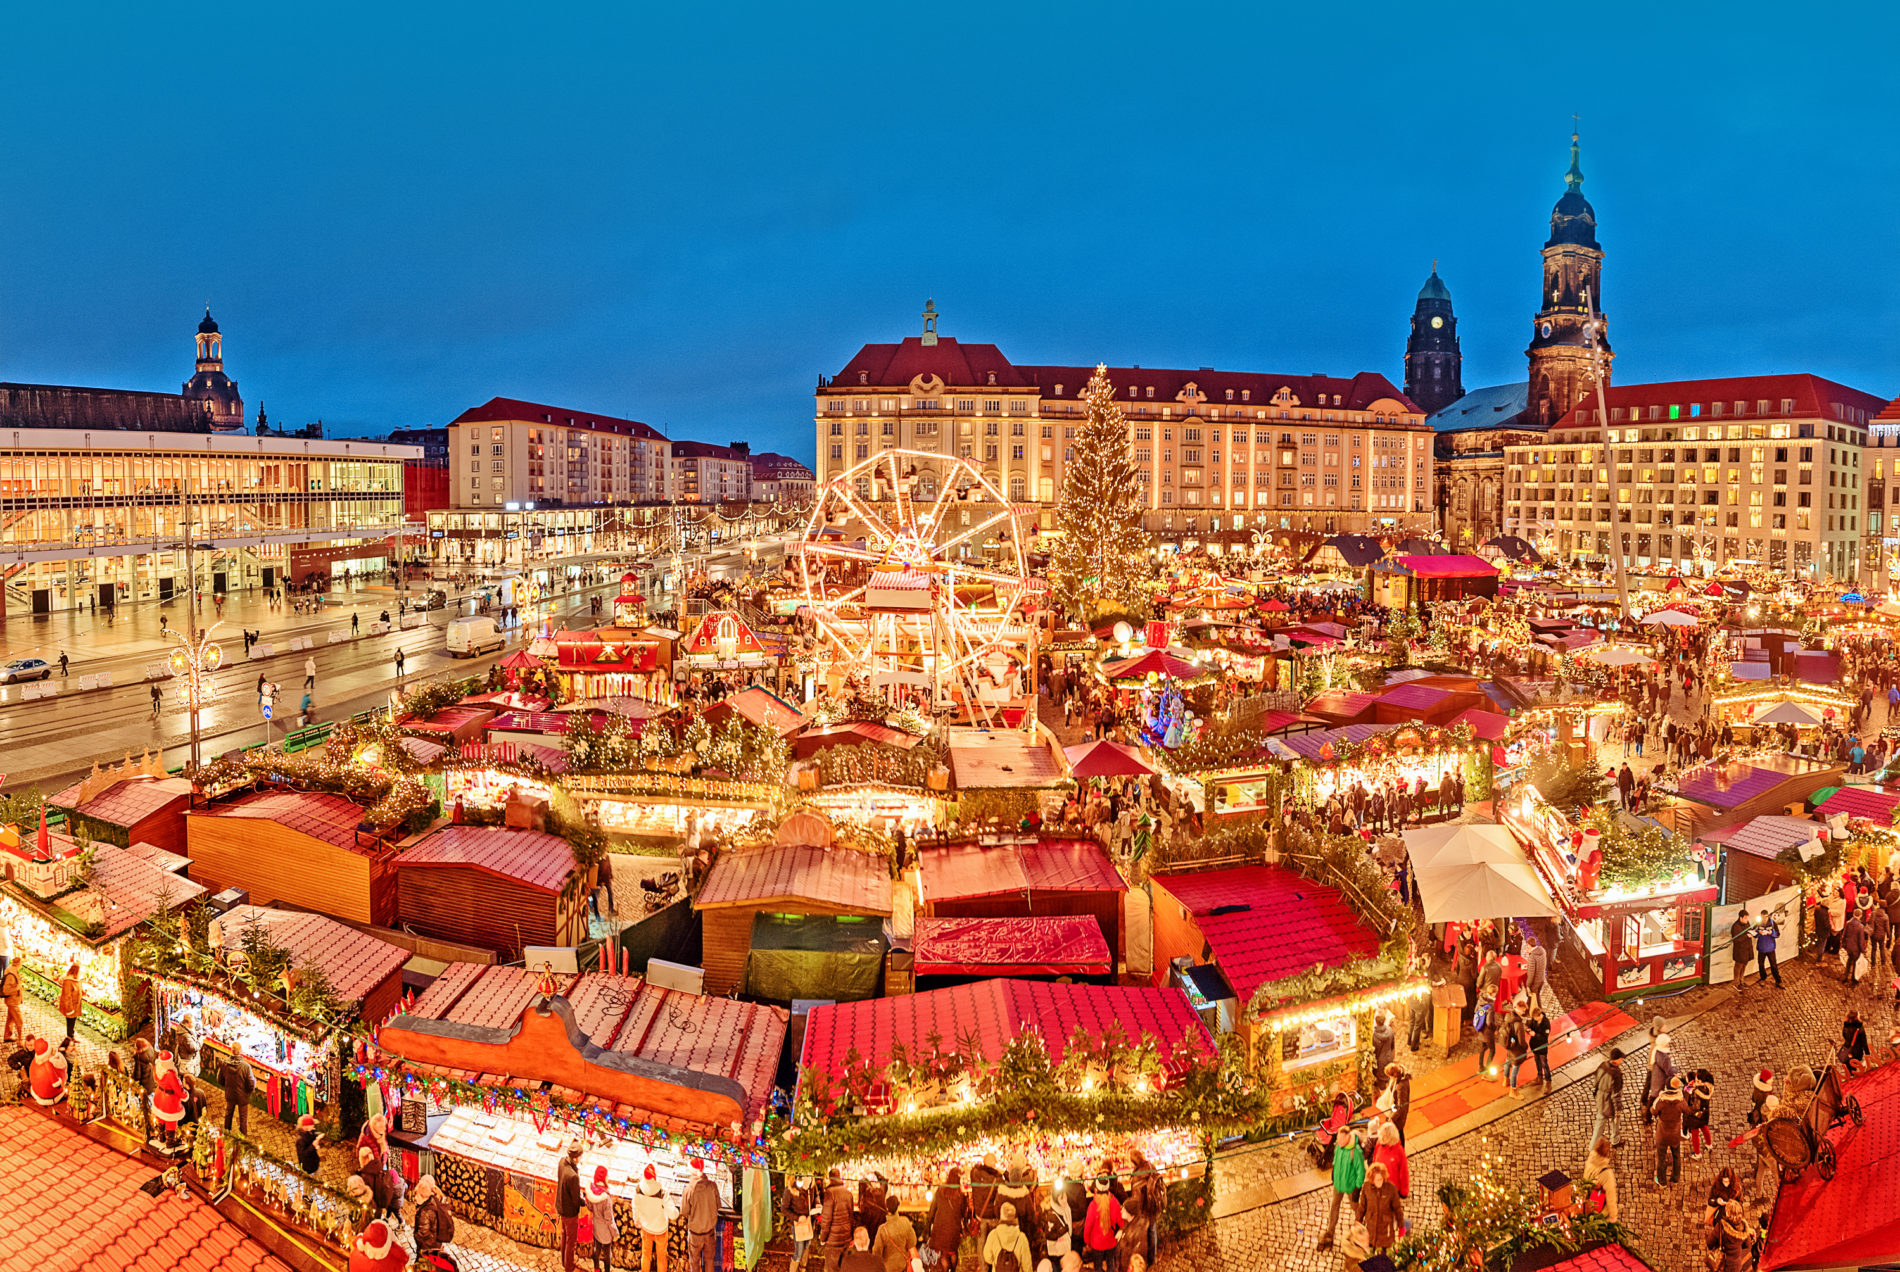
(300, 848)
(1753, 850)
(1258, 923)
(685, 1063)
(364, 971)
(852, 733)
(140, 809)
(461, 723)
(1712, 795)
(760, 707)
(982, 759)
(1053, 945)
(782, 879)
(1021, 875)
(491, 887)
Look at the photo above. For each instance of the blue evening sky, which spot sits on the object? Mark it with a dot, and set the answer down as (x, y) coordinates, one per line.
(686, 213)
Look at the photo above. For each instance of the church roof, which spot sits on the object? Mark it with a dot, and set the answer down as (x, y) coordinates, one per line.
(1492, 407)
(209, 327)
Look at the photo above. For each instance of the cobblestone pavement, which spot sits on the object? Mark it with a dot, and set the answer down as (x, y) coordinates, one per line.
(1737, 1034)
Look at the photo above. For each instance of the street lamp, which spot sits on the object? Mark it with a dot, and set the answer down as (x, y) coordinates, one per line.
(193, 662)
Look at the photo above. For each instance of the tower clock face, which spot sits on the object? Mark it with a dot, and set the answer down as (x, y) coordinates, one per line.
(1437, 321)
(1545, 329)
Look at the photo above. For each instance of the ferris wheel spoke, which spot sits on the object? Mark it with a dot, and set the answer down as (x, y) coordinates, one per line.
(943, 549)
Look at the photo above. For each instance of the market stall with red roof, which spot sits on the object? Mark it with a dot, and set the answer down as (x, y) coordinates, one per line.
(1410, 582)
(1060, 945)
(495, 1069)
(1851, 1218)
(1070, 1078)
(1022, 875)
(495, 888)
(1251, 946)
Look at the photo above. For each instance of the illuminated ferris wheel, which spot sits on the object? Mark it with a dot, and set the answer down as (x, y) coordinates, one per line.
(897, 597)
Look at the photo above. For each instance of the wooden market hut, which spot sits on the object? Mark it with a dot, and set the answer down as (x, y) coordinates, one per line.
(1254, 925)
(364, 971)
(296, 848)
(1410, 582)
(495, 888)
(797, 881)
(1022, 876)
(1713, 795)
(1751, 853)
(128, 810)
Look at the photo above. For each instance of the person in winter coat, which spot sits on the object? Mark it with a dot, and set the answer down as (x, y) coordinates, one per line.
(10, 990)
(145, 1076)
(1102, 1225)
(1725, 1192)
(239, 1082)
(653, 1214)
(1600, 1170)
(1741, 942)
(600, 1212)
(1608, 1096)
(949, 1211)
(376, 1250)
(834, 1221)
(308, 1138)
(1380, 1207)
(1007, 1242)
(896, 1242)
(1147, 1196)
(1057, 1226)
(700, 1209)
(1854, 1046)
(1537, 1032)
(1349, 1175)
(1669, 1109)
(1766, 934)
(1854, 944)
(1738, 1240)
(1661, 1069)
(1697, 1093)
(1384, 1040)
(72, 998)
(567, 1202)
(801, 1204)
(1391, 1153)
(1399, 1083)
(1517, 1047)
(434, 1225)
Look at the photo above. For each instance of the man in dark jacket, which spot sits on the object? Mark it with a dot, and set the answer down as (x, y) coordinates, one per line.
(700, 1209)
(834, 1221)
(239, 1083)
(567, 1202)
(434, 1226)
(985, 1179)
(1854, 944)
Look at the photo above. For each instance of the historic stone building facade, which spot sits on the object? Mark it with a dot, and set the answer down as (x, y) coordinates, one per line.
(208, 402)
(1434, 367)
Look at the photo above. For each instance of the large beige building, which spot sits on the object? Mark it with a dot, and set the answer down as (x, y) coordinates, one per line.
(512, 452)
(1760, 468)
(705, 473)
(1218, 449)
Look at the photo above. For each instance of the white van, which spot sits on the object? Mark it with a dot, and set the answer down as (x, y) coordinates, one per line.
(469, 637)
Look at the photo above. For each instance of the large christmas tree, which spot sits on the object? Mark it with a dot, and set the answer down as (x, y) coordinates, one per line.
(1101, 561)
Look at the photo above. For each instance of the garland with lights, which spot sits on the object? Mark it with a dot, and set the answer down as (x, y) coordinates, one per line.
(392, 1072)
(1403, 739)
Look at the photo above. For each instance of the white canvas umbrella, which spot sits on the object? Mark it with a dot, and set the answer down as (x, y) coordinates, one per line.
(1468, 873)
(1672, 618)
(1615, 656)
(1788, 713)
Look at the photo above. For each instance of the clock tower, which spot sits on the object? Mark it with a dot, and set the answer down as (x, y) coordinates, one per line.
(1560, 371)
(1433, 364)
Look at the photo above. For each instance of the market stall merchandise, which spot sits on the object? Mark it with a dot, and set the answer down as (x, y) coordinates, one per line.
(56, 920)
(496, 1069)
(1641, 934)
(296, 1058)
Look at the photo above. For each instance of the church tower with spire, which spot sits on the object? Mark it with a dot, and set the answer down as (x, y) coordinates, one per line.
(210, 385)
(1434, 367)
(1560, 370)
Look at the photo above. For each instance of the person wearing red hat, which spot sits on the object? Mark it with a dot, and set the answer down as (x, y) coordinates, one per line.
(653, 1214)
(46, 1075)
(375, 1250)
(600, 1209)
(308, 1137)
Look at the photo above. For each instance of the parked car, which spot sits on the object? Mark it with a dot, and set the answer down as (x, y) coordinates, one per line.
(24, 669)
(437, 598)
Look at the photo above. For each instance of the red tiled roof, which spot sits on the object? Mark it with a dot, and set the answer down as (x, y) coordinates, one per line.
(993, 1012)
(527, 856)
(1891, 411)
(1608, 1258)
(135, 889)
(500, 410)
(494, 998)
(1812, 395)
(1414, 697)
(317, 814)
(960, 364)
(68, 1204)
(1064, 944)
(759, 706)
(355, 962)
(129, 802)
(966, 868)
(1488, 725)
(1291, 923)
(853, 882)
(1853, 1219)
(1875, 806)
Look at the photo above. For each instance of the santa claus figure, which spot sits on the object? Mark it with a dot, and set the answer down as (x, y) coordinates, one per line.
(46, 1075)
(376, 1250)
(168, 1093)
